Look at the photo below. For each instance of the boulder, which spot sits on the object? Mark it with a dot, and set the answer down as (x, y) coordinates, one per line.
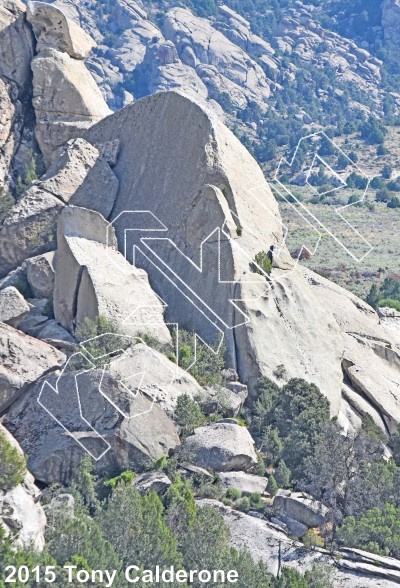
(40, 274)
(292, 527)
(30, 229)
(113, 288)
(66, 100)
(24, 360)
(81, 176)
(221, 447)
(53, 333)
(55, 31)
(13, 306)
(62, 504)
(20, 510)
(161, 380)
(16, 43)
(93, 423)
(301, 508)
(227, 401)
(204, 191)
(152, 482)
(246, 483)
(18, 279)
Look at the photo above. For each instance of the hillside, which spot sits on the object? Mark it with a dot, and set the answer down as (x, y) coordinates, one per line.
(178, 386)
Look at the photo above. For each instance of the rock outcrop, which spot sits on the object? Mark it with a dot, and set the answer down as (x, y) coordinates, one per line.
(246, 483)
(352, 568)
(81, 176)
(221, 65)
(24, 360)
(222, 188)
(93, 279)
(13, 306)
(391, 21)
(16, 52)
(161, 380)
(124, 443)
(65, 96)
(371, 355)
(301, 508)
(20, 511)
(221, 447)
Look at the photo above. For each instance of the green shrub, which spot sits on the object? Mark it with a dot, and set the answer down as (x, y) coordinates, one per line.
(188, 414)
(12, 465)
(243, 504)
(255, 499)
(6, 204)
(389, 303)
(262, 264)
(272, 486)
(204, 362)
(378, 530)
(234, 493)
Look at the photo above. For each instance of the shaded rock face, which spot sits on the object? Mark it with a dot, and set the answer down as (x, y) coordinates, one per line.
(65, 96)
(24, 360)
(20, 510)
(13, 306)
(16, 52)
(40, 274)
(93, 279)
(300, 508)
(117, 442)
(221, 447)
(222, 188)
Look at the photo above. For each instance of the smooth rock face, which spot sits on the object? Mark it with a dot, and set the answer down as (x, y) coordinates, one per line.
(53, 456)
(66, 100)
(221, 447)
(54, 30)
(20, 510)
(40, 274)
(216, 178)
(161, 380)
(13, 306)
(94, 280)
(371, 355)
(246, 483)
(23, 361)
(301, 508)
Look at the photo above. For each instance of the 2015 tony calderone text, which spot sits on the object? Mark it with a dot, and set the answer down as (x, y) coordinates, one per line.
(133, 575)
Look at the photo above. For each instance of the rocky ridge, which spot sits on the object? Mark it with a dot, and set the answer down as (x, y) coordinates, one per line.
(187, 53)
(207, 192)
